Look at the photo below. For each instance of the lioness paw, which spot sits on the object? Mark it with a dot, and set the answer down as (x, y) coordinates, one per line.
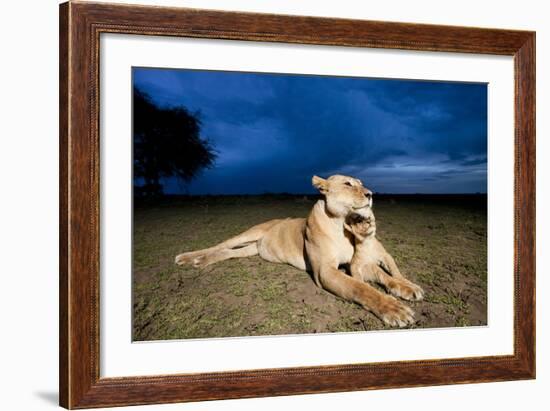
(395, 313)
(205, 260)
(199, 262)
(182, 259)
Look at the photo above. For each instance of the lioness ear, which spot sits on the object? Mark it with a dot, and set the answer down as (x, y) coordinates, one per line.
(320, 184)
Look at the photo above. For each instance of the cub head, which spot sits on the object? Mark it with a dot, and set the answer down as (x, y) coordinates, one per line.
(344, 195)
(361, 226)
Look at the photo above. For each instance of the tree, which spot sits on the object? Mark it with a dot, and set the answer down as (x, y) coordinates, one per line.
(167, 143)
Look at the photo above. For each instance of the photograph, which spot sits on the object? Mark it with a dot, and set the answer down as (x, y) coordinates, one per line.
(291, 203)
(263, 204)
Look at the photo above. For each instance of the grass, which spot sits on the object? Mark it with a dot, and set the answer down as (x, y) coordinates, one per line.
(438, 242)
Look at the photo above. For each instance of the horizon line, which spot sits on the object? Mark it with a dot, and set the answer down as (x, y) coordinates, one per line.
(311, 194)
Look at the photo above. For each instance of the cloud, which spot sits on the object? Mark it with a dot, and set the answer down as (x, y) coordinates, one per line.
(272, 131)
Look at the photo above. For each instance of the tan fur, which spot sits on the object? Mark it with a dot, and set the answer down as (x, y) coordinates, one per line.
(319, 244)
(371, 262)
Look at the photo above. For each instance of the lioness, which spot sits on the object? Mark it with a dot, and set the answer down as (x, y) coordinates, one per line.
(318, 243)
(371, 262)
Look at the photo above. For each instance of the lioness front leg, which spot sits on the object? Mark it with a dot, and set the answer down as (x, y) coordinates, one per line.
(384, 306)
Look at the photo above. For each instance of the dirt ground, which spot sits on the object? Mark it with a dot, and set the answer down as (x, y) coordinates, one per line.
(439, 242)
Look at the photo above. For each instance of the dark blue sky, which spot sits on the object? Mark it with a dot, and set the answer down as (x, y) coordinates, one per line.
(272, 132)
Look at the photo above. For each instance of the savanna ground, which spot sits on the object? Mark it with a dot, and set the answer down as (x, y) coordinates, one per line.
(439, 242)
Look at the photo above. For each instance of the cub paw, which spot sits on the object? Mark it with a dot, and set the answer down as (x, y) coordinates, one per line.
(407, 291)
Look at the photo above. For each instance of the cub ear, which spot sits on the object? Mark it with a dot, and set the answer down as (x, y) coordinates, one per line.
(320, 184)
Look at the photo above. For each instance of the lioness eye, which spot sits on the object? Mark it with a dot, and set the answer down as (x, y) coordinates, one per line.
(348, 183)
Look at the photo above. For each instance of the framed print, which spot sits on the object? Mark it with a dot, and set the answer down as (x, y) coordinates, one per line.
(258, 205)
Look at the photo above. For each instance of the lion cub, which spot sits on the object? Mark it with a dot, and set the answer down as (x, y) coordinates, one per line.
(371, 261)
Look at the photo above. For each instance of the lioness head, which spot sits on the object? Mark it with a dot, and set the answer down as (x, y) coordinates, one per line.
(344, 195)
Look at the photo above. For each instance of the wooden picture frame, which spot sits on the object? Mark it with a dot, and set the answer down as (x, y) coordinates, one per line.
(80, 27)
